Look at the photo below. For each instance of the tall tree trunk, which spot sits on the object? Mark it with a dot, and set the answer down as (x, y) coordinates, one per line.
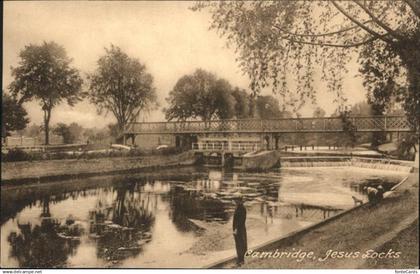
(47, 116)
(410, 56)
(412, 101)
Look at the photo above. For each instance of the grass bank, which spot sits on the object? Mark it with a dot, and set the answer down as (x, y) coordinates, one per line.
(388, 227)
(14, 173)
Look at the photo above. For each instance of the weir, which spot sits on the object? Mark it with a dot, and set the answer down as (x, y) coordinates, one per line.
(263, 160)
(372, 163)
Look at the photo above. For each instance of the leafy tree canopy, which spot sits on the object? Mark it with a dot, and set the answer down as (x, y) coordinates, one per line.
(244, 104)
(122, 86)
(279, 41)
(268, 107)
(14, 116)
(64, 131)
(200, 95)
(44, 74)
(319, 112)
(204, 96)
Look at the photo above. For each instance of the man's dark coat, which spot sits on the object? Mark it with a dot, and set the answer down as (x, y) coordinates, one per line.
(239, 219)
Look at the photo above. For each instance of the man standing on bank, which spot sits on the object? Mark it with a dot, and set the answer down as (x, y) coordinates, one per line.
(239, 230)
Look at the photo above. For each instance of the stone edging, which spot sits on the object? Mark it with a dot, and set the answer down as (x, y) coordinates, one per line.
(173, 163)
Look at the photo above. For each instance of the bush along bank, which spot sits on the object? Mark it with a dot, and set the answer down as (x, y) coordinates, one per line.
(18, 155)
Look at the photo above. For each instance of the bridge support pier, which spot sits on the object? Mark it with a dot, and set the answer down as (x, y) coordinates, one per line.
(276, 142)
(222, 159)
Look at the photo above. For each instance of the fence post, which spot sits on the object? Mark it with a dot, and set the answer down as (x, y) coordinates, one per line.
(385, 123)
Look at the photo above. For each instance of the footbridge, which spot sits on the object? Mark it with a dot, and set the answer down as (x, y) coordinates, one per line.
(286, 125)
(191, 133)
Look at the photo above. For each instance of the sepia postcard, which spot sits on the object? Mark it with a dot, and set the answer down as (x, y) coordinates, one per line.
(210, 135)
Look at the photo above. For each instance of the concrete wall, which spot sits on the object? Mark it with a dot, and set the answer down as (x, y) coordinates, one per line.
(260, 161)
(13, 141)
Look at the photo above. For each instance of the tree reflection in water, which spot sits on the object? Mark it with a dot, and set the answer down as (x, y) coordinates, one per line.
(40, 245)
(122, 227)
(195, 203)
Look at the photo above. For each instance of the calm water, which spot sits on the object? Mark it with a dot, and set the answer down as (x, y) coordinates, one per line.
(175, 218)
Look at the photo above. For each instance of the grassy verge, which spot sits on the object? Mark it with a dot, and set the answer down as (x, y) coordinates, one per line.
(407, 241)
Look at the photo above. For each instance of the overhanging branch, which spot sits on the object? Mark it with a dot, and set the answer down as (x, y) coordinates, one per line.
(414, 5)
(321, 34)
(378, 21)
(368, 30)
(352, 45)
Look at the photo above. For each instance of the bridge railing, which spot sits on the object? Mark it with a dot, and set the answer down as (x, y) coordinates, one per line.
(220, 146)
(327, 124)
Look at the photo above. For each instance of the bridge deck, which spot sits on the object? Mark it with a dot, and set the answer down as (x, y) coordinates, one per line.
(328, 124)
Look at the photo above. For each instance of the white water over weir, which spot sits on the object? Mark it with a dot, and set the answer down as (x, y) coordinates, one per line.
(337, 161)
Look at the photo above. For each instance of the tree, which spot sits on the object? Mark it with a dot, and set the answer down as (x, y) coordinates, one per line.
(242, 104)
(224, 100)
(362, 109)
(39, 245)
(44, 74)
(279, 40)
(268, 107)
(372, 107)
(33, 130)
(13, 115)
(200, 95)
(122, 86)
(113, 130)
(64, 131)
(99, 136)
(318, 137)
(76, 131)
(349, 129)
(319, 112)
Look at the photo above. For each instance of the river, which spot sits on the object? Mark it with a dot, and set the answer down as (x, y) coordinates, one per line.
(170, 218)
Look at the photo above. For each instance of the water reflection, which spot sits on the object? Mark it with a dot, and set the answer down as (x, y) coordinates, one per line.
(120, 221)
(122, 227)
(189, 204)
(42, 245)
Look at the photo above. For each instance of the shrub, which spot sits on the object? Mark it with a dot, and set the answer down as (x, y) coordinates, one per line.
(171, 150)
(136, 152)
(15, 155)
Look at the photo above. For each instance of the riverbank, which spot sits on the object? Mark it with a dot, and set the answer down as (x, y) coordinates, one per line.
(16, 173)
(389, 227)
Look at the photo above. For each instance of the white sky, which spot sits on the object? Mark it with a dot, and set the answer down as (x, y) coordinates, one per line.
(168, 37)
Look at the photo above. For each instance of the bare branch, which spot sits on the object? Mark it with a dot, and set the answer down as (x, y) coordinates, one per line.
(370, 31)
(378, 21)
(357, 44)
(322, 34)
